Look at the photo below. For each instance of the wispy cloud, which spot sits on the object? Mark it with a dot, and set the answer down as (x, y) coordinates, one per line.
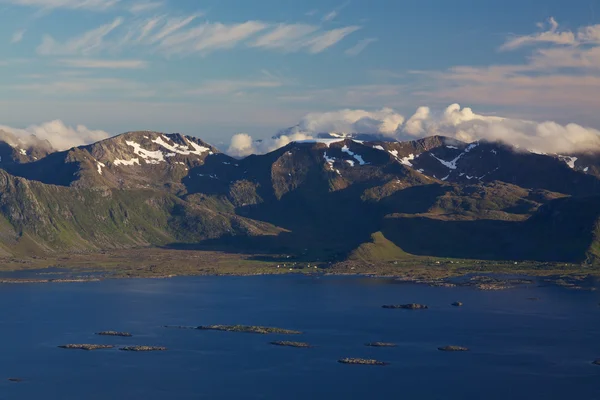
(95, 5)
(562, 71)
(142, 7)
(551, 35)
(223, 87)
(184, 36)
(89, 86)
(17, 36)
(104, 64)
(359, 47)
(325, 40)
(88, 43)
(330, 16)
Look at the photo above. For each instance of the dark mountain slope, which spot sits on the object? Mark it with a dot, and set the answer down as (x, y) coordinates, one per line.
(562, 230)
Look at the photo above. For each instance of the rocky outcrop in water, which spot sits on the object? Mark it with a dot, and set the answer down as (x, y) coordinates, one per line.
(291, 344)
(143, 348)
(412, 306)
(250, 329)
(380, 344)
(15, 379)
(596, 362)
(113, 333)
(86, 346)
(457, 304)
(453, 348)
(361, 361)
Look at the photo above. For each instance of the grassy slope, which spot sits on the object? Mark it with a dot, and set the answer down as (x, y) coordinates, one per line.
(39, 217)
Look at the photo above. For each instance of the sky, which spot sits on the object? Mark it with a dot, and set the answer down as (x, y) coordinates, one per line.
(213, 69)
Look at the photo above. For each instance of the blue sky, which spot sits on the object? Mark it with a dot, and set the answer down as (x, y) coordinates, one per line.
(215, 68)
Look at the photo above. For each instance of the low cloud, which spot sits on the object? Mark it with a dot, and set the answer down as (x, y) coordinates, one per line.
(455, 121)
(60, 136)
(243, 145)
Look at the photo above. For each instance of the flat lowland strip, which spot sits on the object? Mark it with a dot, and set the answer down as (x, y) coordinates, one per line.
(165, 263)
(264, 330)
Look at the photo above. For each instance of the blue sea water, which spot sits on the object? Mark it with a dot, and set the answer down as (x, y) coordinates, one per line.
(520, 349)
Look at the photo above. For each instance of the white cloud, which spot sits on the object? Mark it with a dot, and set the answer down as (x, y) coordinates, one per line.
(106, 64)
(552, 35)
(456, 122)
(99, 5)
(468, 126)
(359, 47)
(415, 124)
(17, 36)
(385, 121)
(90, 42)
(243, 145)
(60, 136)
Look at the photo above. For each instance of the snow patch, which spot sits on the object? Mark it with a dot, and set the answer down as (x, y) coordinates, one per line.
(570, 161)
(452, 147)
(586, 169)
(23, 152)
(100, 165)
(452, 164)
(378, 147)
(407, 160)
(446, 177)
(133, 161)
(350, 162)
(181, 149)
(357, 157)
(151, 157)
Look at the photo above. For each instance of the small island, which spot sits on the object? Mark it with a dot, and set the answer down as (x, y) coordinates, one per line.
(361, 361)
(86, 346)
(596, 362)
(290, 344)
(380, 344)
(143, 348)
(15, 380)
(457, 304)
(263, 330)
(453, 348)
(412, 306)
(113, 333)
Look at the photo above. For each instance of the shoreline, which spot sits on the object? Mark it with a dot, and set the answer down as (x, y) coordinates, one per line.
(479, 280)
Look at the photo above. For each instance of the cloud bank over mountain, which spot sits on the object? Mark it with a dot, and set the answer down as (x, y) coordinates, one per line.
(60, 136)
(455, 121)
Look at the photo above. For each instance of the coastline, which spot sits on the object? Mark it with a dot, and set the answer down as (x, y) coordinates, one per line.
(154, 263)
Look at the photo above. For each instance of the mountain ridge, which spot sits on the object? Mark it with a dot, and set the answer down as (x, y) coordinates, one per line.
(319, 198)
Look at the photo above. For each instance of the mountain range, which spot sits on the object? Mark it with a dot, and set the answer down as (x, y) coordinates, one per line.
(323, 199)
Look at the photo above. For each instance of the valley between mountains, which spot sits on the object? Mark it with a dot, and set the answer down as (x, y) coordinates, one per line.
(335, 203)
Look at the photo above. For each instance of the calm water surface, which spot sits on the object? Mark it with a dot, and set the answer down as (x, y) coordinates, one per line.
(520, 349)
